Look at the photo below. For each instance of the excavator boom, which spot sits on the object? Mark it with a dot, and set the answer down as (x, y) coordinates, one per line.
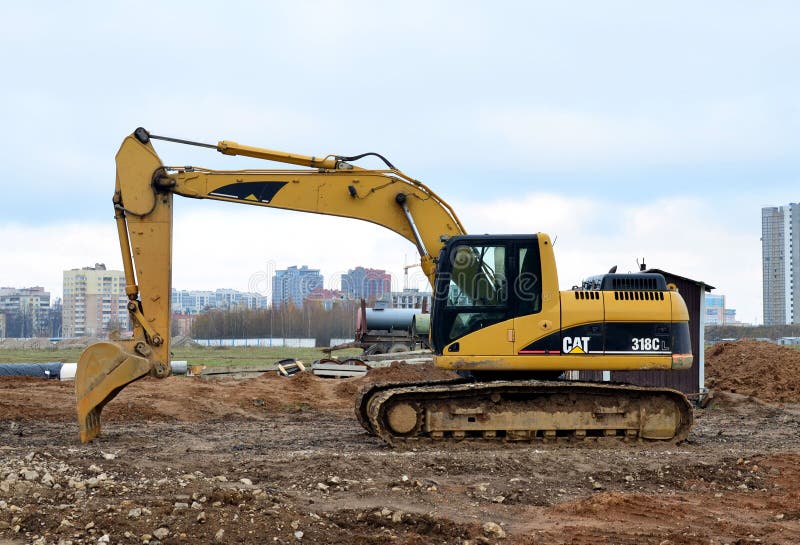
(143, 210)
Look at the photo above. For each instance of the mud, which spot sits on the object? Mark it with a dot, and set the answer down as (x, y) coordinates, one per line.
(276, 460)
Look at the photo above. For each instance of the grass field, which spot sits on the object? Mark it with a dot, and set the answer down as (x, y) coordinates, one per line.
(195, 356)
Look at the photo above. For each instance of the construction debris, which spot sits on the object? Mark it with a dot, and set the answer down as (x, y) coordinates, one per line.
(289, 367)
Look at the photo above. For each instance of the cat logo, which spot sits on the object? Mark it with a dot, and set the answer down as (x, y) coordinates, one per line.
(575, 345)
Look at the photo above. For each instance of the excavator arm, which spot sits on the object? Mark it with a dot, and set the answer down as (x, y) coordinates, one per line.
(143, 211)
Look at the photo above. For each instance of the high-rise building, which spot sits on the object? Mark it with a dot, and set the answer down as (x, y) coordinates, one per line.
(25, 311)
(369, 284)
(294, 284)
(94, 302)
(780, 260)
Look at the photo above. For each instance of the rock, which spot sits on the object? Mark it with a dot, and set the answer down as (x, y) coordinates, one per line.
(498, 499)
(146, 538)
(246, 482)
(135, 513)
(597, 486)
(220, 535)
(201, 518)
(397, 517)
(161, 533)
(48, 480)
(89, 526)
(30, 475)
(221, 478)
(108, 455)
(197, 506)
(298, 535)
(39, 541)
(334, 480)
(386, 512)
(181, 505)
(779, 516)
(95, 468)
(494, 530)
(322, 486)
(105, 538)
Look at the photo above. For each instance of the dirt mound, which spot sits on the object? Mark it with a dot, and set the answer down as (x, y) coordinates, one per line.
(25, 344)
(761, 369)
(194, 400)
(397, 371)
(78, 342)
(400, 371)
(181, 341)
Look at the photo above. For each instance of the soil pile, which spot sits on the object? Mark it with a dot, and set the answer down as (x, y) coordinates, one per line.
(193, 399)
(25, 344)
(398, 371)
(181, 341)
(760, 369)
(78, 342)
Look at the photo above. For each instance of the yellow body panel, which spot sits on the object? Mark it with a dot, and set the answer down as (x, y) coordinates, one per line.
(632, 306)
(494, 339)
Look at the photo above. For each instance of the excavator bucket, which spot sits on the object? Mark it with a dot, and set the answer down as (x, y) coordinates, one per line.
(104, 369)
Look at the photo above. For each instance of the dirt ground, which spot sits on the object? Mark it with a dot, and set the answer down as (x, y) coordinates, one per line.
(277, 460)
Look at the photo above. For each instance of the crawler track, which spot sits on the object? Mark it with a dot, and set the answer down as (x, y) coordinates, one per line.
(522, 411)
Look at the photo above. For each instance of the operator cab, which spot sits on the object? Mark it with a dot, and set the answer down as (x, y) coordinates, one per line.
(484, 280)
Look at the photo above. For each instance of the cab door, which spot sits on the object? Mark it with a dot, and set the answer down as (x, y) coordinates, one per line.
(537, 306)
(473, 309)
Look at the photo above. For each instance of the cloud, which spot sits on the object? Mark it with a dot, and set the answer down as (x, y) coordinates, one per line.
(218, 246)
(687, 236)
(560, 136)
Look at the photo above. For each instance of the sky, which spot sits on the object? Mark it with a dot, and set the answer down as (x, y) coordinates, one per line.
(625, 130)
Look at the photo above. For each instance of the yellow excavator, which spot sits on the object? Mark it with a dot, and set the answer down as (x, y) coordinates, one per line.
(498, 317)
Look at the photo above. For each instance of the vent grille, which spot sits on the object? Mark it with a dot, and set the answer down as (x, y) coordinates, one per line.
(634, 283)
(586, 294)
(639, 295)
